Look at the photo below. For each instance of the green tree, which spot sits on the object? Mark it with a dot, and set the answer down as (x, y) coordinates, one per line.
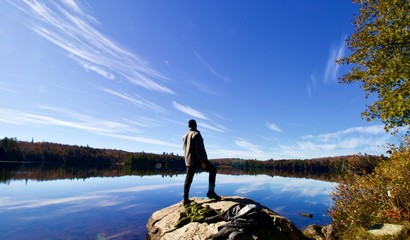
(380, 59)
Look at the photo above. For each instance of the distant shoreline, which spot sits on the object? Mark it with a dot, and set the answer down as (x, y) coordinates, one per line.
(80, 161)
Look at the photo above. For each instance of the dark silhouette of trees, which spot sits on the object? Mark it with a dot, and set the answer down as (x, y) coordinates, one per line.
(42, 160)
(328, 168)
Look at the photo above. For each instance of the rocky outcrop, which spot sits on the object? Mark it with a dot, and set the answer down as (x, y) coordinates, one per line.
(166, 223)
(377, 231)
(318, 232)
(384, 230)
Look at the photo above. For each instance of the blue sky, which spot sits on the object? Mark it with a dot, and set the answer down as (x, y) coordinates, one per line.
(259, 77)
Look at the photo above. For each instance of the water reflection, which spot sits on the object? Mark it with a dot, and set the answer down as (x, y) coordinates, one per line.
(119, 207)
(286, 196)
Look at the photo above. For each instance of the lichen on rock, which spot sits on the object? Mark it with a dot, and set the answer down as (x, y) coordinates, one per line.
(195, 212)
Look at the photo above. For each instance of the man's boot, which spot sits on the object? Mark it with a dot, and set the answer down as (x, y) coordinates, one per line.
(187, 201)
(211, 193)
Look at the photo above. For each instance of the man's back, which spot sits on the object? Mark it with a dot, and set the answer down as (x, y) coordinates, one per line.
(194, 150)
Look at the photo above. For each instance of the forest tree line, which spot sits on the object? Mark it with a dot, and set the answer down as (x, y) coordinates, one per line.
(54, 154)
(83, 161)
(330, 165)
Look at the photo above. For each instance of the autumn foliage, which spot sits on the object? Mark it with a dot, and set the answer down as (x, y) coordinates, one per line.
(362, 200)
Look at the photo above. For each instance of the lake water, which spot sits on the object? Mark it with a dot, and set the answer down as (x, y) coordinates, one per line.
(119, 207)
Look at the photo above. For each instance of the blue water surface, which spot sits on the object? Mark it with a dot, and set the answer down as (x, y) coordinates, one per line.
(119, 207)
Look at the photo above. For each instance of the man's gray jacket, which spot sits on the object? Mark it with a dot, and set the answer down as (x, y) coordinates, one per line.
(194, 148)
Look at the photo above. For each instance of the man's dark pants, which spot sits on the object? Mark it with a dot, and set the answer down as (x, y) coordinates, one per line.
(190, 172)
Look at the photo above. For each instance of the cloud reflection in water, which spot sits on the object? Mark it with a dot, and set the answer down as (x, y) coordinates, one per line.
(120, 207)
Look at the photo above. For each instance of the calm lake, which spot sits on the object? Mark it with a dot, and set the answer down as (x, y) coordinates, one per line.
(119, 207)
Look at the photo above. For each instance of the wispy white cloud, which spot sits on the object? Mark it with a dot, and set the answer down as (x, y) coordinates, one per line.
(139, 102)
(305, 147)
(4, 89)
(97, 69)
(189, 111)
(86, 123)
(273, 127)
(73, 5)
(245, 150)
(65, 24)
(371, 130)
(332, 68)
(354, 140)
(247, 145)
(80, 121)
(144, 140)
(242, 148)
(311, 86)
(370, 140)
(121, 95)
(142, 122)
(216, 128)
(204, 88)
(210, 68)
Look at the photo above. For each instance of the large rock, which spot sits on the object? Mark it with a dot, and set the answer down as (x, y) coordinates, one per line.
(386, 229)
(162, 224)
(318, 232)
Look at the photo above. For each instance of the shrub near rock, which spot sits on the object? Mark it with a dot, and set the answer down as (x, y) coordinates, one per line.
(363, 200)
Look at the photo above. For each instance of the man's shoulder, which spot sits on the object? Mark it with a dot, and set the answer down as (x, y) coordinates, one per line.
(192, 134)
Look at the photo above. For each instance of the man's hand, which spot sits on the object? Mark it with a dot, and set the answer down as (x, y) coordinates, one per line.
(203, 165)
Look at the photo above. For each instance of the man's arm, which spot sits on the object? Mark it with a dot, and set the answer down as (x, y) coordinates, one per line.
(200, 150)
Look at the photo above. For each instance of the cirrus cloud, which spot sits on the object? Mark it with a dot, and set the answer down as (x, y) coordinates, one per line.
(66, 25)
(189, 111)
(332, 68)
(273, 127)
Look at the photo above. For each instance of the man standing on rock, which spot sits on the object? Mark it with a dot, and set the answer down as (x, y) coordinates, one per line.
(195, 155)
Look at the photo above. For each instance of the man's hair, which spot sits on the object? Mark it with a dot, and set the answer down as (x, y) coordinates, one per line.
(192, 123)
